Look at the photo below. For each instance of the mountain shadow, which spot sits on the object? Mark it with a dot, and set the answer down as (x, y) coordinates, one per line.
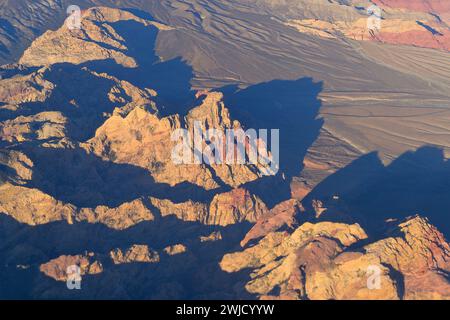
(417, 182)
(74, 176)
(195, 274)
(171, 79)
(85, 180)
(82, 97)
(292, 106)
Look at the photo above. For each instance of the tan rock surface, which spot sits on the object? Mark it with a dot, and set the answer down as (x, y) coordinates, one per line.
(32, 206)
(397, 27)
(214, 236)
(421, 254)
(313, 262)
(186, 211)
(19, 163)
(57, 268)
(136, 253)
(120, 218)
(116, 124)
(235, 206)
(175, 249)
(281, 215)
(96, 40)
(26, 88)
(274, 258)
(120, 137)
(42, 126)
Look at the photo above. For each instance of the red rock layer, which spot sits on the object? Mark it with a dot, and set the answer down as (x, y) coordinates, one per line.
(436, 6)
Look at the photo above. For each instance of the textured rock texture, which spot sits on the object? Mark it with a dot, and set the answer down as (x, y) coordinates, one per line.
(314, 262)
(87, 176)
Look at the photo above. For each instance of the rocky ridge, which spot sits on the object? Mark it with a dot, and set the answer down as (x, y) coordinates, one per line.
(314, 262)
(95, 153)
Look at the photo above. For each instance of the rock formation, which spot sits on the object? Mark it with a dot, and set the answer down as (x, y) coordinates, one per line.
(175, 249)
(97, 39)
(314, 262)
(136, 253)
(58, 268)
(86, 158)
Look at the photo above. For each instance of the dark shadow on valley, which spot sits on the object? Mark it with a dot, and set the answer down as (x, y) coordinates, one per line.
(74, 176)
(171, 79)
(85, 180)
(292, 106)
(417, 182)
(195, 274)
(83, 97)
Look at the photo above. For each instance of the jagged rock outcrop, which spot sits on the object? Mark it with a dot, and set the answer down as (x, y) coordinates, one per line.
(85, 147)
(91, 263)
(125, 216)
(35, 207)
(314, 263)
(236, 206)
(25, 88)
(214, 236)
(19, 165)
(120, 137)
(58, 268)
(186, 211)
(346, 276)
(416, 24)
(97, 39)
(421, 254)
(136, 253)
(318, 207)
(43, 104)
(175, 249)
(281, 215)
(42, 126)
(413, 263)
(274, 259)
(32, 206)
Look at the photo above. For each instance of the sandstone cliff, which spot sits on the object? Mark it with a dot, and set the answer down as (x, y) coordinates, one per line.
(314, 262)
(85, 166)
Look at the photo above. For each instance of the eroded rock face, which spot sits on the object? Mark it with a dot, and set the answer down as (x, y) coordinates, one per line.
(142, 138)
(32, 206)
(96, 40)
(35, 207)
(281, 215)
(274, 258)
(25, 88)
(415, 23)
(58, 268)
(186, 211)
(98, 151)
(42, 126)
(175, 249)
(136, 253)
(314, 262)
(19, 164)
(133, 134)
(43, 105)
(421, 254)
(120, 218)
(234, 207)
(214, 236)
